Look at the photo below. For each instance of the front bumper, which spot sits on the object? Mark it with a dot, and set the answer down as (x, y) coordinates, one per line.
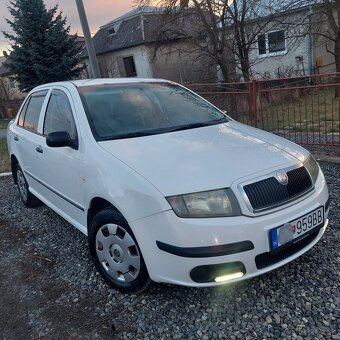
(173, 248)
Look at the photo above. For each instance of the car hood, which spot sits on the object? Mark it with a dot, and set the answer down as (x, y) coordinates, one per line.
(204, 158)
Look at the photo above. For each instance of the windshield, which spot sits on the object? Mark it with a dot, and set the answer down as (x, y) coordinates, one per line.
(118, 111)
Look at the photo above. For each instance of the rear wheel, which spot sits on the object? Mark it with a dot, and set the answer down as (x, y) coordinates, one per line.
(27, 197)
(115, 252)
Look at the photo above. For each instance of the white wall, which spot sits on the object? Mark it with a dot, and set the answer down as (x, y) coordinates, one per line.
(298, 44)
(269, 64)
(110, 63)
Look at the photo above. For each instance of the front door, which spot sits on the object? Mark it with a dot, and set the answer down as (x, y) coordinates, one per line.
(59, 167)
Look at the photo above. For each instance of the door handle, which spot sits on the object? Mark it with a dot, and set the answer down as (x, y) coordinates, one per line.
(39, 149)
(16, 138)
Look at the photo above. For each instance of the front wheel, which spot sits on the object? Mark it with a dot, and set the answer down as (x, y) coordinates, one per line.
(115, 252)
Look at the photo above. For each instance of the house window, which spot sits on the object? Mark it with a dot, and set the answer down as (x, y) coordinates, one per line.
(111, 31)
(276, 41)
(114, 28)
(273, 42)
(262, 44)
(130, 68)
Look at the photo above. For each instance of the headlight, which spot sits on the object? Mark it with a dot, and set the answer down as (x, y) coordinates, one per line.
(214, 203)
(312, 166)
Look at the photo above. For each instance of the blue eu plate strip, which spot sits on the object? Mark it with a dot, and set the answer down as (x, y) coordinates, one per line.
(275, 238)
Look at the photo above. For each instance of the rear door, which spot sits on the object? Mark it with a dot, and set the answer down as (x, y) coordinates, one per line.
(26, 136)
(59, 172)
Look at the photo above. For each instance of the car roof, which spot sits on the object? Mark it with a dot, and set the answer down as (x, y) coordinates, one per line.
(102, 81)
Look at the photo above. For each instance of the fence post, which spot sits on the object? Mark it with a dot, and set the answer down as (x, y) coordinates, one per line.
(253, 98)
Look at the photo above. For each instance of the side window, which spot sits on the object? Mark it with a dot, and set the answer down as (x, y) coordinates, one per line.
(22, 113)
(33, 109)
(59, 115)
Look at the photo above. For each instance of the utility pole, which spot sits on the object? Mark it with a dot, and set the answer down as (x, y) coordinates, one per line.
(88, 40)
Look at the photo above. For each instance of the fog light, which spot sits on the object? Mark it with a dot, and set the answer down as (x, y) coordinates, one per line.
(228, 277)
(220, 272)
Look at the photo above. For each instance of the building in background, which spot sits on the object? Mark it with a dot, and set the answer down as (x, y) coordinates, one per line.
(133, 46)
(10, 95)
(289, 45)
(9, 89)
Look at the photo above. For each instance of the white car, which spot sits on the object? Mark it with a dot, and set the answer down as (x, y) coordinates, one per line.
(165, 185)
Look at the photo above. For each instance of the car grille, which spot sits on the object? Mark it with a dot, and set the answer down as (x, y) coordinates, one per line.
(269, 192)
(267, 259)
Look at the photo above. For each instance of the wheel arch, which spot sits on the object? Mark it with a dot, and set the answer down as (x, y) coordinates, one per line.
(97, 204)
(14, 163)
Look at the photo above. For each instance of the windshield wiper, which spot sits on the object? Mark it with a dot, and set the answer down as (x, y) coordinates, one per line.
(164, 130)
(130, 135)
(197, 125)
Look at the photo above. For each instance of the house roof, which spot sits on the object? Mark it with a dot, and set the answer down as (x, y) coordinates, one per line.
(131, 29)
(142, 25)
(133, 13)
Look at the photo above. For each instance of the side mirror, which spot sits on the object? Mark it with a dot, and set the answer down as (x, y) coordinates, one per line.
(61, 138)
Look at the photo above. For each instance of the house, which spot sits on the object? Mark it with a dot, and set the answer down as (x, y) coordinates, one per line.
(9, 89)
(136, 45)
(80, 40)
(288, 45)
(10, 95)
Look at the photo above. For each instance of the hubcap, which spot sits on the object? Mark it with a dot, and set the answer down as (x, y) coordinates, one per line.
(117, 252)
(22, 185)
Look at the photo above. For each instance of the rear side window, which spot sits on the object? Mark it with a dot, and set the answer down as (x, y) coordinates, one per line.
(22, 113)
(33, 110)
(59, 115)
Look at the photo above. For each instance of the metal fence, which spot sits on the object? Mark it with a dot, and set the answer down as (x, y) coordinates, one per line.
(303, 109)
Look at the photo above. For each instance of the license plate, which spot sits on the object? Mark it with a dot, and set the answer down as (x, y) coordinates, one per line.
(293, 230)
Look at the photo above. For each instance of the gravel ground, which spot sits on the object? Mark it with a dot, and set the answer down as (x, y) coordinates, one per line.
(310, 139)
(49, 288)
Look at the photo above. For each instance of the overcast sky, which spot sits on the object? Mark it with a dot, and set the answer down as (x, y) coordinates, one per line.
(98, 12)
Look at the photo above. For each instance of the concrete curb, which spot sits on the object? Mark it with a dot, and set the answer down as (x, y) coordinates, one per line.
(3, 174)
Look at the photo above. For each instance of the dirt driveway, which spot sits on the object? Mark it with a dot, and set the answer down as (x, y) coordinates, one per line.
(33, 298)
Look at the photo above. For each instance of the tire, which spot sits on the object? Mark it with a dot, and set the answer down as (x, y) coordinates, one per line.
(27, 197)
(116, 254)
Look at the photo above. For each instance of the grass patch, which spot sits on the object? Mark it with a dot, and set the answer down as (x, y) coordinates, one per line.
(312, 111)
(4, 123)
(296, 128)
(334, 130)
(5, 165)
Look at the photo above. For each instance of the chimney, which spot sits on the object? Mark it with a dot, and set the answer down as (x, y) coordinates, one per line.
(184, 3)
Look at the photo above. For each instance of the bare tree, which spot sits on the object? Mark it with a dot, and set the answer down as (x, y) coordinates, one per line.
(220, 31)
(227, 31)
(330, 10)
(324, 19)
(200, 22)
